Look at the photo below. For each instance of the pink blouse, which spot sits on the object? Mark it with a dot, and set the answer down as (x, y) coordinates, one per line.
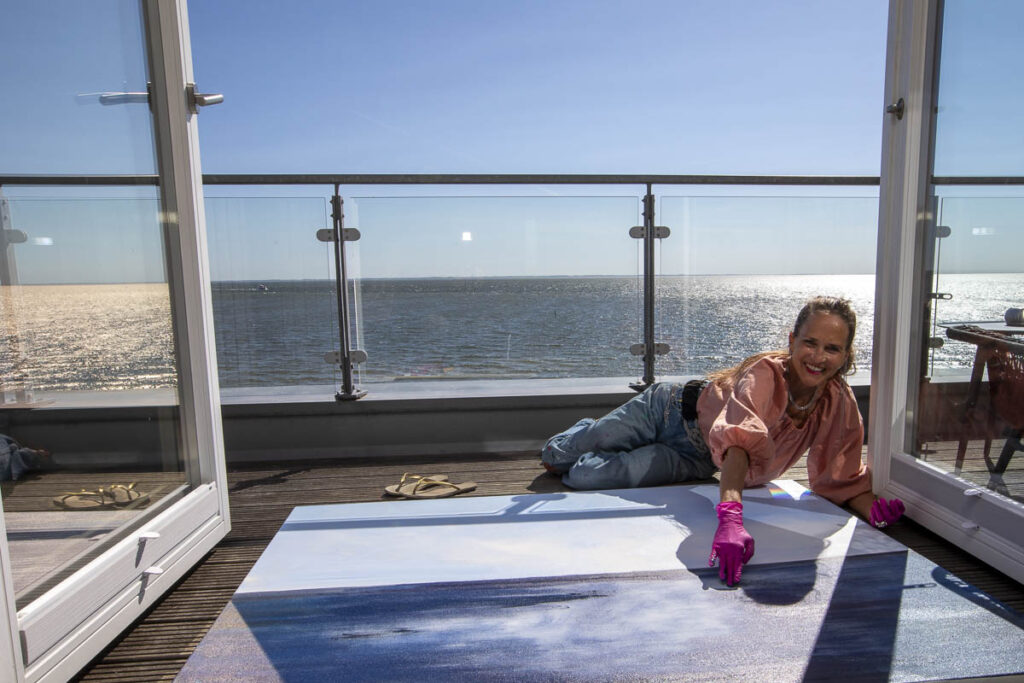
(752, 415)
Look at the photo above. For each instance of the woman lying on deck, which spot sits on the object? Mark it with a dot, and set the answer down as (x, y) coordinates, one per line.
(752, 421)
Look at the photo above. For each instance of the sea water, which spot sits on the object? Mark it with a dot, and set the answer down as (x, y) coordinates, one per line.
(119, 336)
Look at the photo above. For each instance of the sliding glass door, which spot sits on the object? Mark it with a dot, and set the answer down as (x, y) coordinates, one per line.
(110, 448)
(948, 388)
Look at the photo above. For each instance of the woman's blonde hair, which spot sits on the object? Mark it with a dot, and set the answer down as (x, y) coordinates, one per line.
(819, 304)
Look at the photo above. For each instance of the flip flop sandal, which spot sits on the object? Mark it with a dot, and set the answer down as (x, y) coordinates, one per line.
(433, 488)
(127, 496)
(409, 482)
(100, 499)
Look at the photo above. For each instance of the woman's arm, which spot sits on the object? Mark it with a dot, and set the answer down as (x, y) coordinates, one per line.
(861, 504)
(734, 472)
(732, 546)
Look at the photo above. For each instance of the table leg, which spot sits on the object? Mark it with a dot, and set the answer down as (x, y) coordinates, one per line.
(972, 400)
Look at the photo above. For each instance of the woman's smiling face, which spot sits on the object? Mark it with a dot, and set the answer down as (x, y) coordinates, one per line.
(818, 351)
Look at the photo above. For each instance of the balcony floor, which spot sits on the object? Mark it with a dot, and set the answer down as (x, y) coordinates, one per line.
(262, 496)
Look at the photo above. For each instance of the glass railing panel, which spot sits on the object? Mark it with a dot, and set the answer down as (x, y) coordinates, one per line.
(274, 293)
(971, 413)
(492, 287)
(86, 318)
(736, 270)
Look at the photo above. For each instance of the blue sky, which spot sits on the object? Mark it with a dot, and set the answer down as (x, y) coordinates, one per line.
(572, 86)
(458, 86)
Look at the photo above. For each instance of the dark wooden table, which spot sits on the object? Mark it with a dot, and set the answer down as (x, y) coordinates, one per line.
(977, 333)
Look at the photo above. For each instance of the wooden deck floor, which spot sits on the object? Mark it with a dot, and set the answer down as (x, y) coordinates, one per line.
(158, 645)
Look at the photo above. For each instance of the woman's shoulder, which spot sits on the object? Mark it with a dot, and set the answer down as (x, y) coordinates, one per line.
(765, 378)
(839, 400)
(773, 366)
(839, 390)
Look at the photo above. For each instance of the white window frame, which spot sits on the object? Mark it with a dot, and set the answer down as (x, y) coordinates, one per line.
(981, 522)
(52, 638)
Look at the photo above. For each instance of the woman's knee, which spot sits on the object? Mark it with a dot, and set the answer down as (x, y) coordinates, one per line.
(597, 471)
(561, 441)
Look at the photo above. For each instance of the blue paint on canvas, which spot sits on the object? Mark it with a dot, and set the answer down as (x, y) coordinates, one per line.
(875, 617)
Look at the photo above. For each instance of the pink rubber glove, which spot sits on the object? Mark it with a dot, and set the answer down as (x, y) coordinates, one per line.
(885, 512)
(733, 546)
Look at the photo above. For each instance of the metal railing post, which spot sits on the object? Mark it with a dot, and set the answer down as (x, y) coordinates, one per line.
(649, 234)
(348, 390)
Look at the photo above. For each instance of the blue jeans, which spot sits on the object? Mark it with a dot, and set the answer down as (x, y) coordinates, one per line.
(642, 443)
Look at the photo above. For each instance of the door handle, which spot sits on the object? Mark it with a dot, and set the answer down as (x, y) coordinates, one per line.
(200, 99)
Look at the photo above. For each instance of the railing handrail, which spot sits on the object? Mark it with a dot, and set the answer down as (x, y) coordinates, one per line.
(446, 179)
(490, 179)
(978, 180)
(530, 179)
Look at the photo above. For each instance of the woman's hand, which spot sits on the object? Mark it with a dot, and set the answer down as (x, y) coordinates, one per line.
(880, 512)
(885, 512)
(733, 546)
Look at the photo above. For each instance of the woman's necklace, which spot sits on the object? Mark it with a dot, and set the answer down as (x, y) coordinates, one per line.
(804, 407)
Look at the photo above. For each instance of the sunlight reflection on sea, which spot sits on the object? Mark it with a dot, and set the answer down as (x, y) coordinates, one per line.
(119, 336)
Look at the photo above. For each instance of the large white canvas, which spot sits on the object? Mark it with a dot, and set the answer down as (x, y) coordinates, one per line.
(609, 585)
(544, 535)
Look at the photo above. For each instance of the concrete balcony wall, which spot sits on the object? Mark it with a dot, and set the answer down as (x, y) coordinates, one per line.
(276, 424)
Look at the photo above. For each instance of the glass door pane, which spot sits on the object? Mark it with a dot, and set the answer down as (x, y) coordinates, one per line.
(81, 84)
(110, 455)
(89, 371)
(972, 381)
(959, 461)
(90, 375)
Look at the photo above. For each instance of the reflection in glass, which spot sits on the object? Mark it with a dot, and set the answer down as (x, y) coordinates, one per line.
(736, 270)
(274, 295)
(88, 380)
(56, 117)
(972, 387)
(497, 287)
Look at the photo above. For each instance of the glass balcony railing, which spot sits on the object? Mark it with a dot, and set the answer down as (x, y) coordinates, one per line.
(495, 287)
(490, 277)
(274, 299)
(506, 282)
